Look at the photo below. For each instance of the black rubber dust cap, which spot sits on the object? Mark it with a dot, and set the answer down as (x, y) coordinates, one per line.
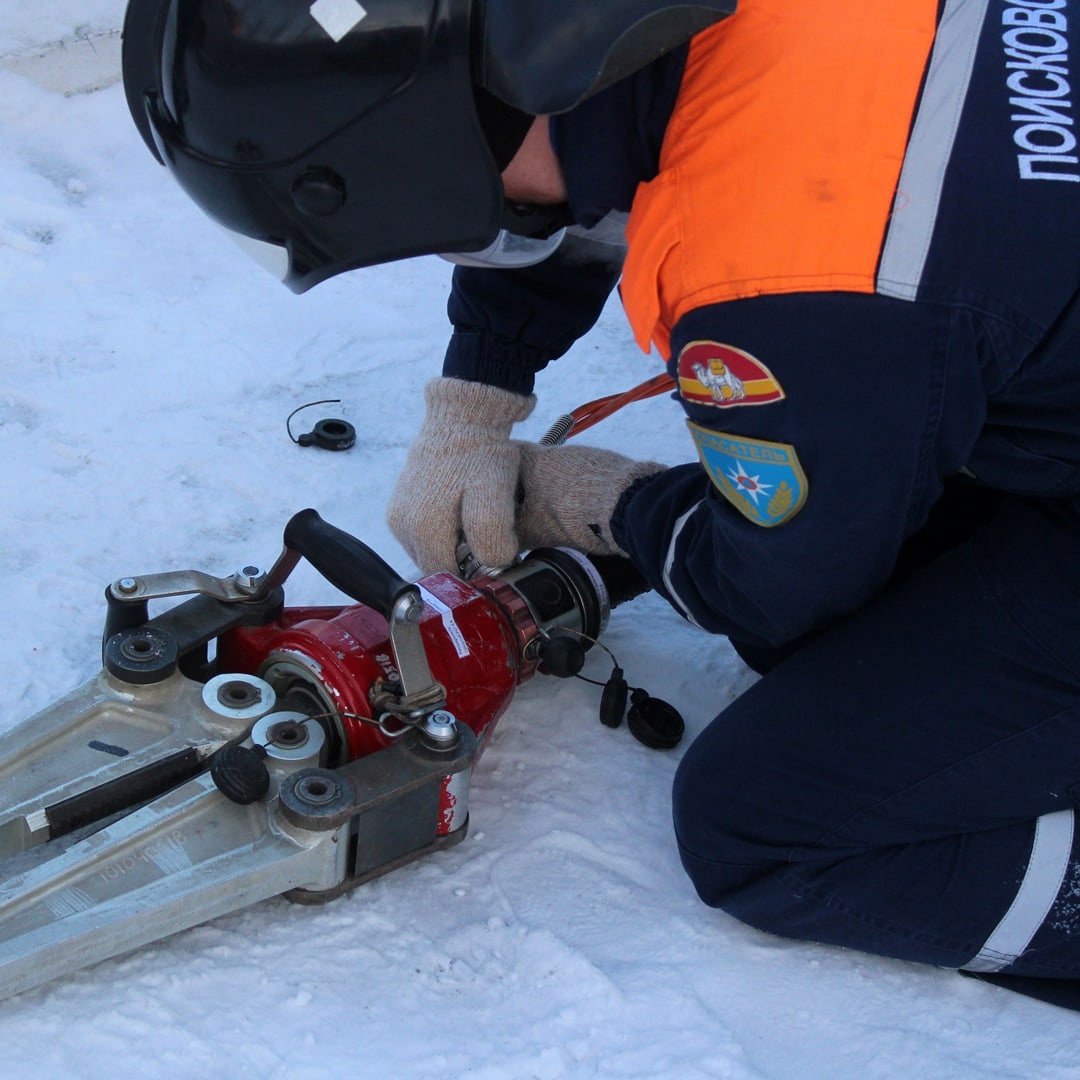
(654, 722)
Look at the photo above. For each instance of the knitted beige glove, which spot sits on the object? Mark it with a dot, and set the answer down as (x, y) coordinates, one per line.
(461, 477)
(570, 493)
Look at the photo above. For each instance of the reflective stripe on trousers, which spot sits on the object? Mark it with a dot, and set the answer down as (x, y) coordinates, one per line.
(1050, 851)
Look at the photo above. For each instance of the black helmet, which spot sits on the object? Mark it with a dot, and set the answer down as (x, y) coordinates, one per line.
(335, 134)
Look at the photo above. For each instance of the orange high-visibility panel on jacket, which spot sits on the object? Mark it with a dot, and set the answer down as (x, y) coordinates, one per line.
(780, 164)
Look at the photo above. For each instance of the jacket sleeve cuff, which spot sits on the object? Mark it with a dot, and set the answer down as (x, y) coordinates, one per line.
(476, 356)
(619, 529)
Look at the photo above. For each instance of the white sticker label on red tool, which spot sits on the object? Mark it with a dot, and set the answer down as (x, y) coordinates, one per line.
(337, 17)
(453, 631)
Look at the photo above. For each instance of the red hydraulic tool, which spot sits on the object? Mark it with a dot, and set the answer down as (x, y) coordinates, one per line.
(317, 748)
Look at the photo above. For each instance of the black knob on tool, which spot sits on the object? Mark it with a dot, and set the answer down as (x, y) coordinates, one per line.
(240, 773)
(561, 655)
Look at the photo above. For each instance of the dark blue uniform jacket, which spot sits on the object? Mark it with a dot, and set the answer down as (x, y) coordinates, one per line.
(887, 398)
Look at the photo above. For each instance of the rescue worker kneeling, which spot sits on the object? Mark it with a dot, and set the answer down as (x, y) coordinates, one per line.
(850, 235)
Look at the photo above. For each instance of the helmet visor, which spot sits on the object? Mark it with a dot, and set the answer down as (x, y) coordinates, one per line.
(240, 200)
(509, 251)
(317, 224)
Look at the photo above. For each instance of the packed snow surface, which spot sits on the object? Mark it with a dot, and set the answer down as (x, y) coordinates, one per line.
(146, 372)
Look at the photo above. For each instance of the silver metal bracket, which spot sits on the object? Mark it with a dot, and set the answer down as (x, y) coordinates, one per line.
(246, 584)
(410, 655)
(108, 746)
(192, 855)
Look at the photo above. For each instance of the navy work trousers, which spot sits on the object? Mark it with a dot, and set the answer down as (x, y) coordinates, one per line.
(905, 781)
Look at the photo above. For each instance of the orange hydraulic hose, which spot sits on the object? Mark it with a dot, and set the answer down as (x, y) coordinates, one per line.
(592, 412)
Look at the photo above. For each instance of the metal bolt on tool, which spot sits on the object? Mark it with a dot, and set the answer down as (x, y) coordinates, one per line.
(439, 730)
(249, 579)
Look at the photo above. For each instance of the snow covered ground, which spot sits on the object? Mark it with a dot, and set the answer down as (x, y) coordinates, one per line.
(146, 371)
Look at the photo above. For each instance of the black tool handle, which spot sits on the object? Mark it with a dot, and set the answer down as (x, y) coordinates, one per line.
(347, 563)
